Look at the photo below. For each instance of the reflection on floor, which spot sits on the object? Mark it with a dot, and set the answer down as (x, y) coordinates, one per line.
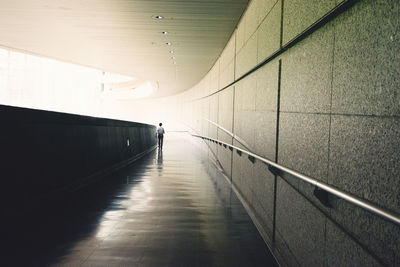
(168, 209)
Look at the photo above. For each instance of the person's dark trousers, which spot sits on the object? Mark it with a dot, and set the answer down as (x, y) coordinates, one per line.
(160, 140)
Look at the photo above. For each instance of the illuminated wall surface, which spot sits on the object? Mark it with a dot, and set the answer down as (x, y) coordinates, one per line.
(322, 99)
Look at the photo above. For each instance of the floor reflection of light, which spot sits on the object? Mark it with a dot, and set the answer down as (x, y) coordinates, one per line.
(141, 196)
(136, 198)
(108, 222)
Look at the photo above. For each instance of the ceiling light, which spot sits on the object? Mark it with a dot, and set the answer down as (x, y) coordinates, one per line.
(172, 57)
(168, 43)
(171, 52)
(165, 32)
(157, 17)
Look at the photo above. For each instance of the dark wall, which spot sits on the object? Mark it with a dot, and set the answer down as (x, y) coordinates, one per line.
(44, 154)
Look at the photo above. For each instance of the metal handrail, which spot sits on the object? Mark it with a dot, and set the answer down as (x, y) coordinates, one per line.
(389, 215)
(237, 138)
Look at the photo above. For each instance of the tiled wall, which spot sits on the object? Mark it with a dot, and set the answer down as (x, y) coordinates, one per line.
(327, 106)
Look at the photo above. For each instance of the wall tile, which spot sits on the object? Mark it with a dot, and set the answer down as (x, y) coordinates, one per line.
(263, 194)
(227, 75)
(264, 7)
(213, 117)
(267, 87)
(205, 114)
(298, 15)
(225, 107)
(242, 173)
(245, 93)
(214, 78)
(341, 250)
(375, 234)
(301, 226)
(228, 54)
(303, 143)
(244, 127)
(269, 34)
(224, 155)
(207, 83)
(251, 19)
(365, 158)
(240, 37)
(307, 74)
(366, 76)
(265, 134)
(247, 57)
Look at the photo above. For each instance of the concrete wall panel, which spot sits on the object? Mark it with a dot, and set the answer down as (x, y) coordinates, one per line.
(228, 55)
(225, 120)
(298, 15)
(224, 155)
(365, 158)
(265, 134)
(301, 225)
(269, 33)
(267, 87)
(247, 57)
(263, 195)
(244, 109)
(240, 37)
(264, 7)
(265, 116)
(242, 174)
(214, 78)
(307, 74)
(379, 237)
(303, 143)
(213, 130)
(366, 76)
(344, 251)
(205, 114)
(251, 19)
(227, 75)
(225, 107)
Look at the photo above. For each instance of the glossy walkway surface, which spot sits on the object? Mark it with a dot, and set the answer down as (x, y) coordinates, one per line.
(169, 209)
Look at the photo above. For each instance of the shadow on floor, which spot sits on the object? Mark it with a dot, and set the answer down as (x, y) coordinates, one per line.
(41, 235)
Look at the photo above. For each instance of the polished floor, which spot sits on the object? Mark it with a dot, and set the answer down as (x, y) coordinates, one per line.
(171, 208)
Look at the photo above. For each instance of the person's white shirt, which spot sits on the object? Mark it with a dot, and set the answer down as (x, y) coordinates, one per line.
(160, 130)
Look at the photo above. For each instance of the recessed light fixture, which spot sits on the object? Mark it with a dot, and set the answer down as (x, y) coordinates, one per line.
(171, 52)
(168, 43)
(165, 32)
(172, 57)
(157, 17)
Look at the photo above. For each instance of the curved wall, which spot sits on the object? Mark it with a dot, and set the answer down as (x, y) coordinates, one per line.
(313, 85)
(45, 154)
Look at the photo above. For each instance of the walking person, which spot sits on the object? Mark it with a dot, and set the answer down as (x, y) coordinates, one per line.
(160, 135)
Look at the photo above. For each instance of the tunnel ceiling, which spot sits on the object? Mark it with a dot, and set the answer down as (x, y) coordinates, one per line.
(121, 36)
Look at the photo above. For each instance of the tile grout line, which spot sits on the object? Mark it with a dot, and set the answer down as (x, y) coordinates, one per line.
(278, 107)
(329, 133)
